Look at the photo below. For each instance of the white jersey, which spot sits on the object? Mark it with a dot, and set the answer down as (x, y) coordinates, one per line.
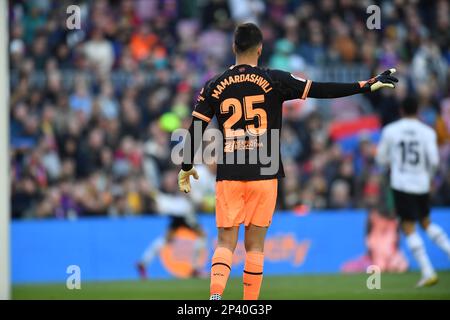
(410, 148)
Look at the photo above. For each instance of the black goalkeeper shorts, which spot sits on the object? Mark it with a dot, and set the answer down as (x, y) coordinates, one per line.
(411, 207)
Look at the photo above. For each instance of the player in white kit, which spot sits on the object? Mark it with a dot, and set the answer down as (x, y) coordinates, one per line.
(409, 148)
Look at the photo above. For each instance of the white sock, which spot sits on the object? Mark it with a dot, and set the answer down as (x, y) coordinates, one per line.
(415, 244)
(439, 237)
(152, 250)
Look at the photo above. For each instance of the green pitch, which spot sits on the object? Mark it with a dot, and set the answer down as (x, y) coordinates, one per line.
(338, 286)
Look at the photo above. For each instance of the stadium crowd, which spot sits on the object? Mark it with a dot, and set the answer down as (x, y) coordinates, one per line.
(92, 109)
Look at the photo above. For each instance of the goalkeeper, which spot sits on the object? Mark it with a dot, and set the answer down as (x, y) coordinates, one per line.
(246, 100)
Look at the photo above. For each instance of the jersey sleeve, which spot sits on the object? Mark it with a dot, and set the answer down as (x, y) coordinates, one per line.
(203, 109)
(291, 87)
(382, 154)
(432, 151)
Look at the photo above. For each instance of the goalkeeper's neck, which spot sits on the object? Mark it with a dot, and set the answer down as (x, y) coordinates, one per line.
(249, 61)
(249, 57)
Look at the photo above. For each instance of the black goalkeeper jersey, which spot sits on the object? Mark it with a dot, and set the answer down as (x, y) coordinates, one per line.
(247, 102)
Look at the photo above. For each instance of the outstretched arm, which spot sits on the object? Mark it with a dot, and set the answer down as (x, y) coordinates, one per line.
(327, 90)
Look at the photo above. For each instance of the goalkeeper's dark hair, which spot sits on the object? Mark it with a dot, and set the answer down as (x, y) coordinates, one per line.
(247, 36)
(410, 106)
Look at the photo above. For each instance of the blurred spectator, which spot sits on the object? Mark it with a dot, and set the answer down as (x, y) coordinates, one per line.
(143, 42)
(339, 195)
(80, 100)
(99, 52)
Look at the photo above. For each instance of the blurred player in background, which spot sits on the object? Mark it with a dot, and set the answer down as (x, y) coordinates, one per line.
(246, 101)
(382, 242)
(410, 149)
(181, 211)
(155, 247)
